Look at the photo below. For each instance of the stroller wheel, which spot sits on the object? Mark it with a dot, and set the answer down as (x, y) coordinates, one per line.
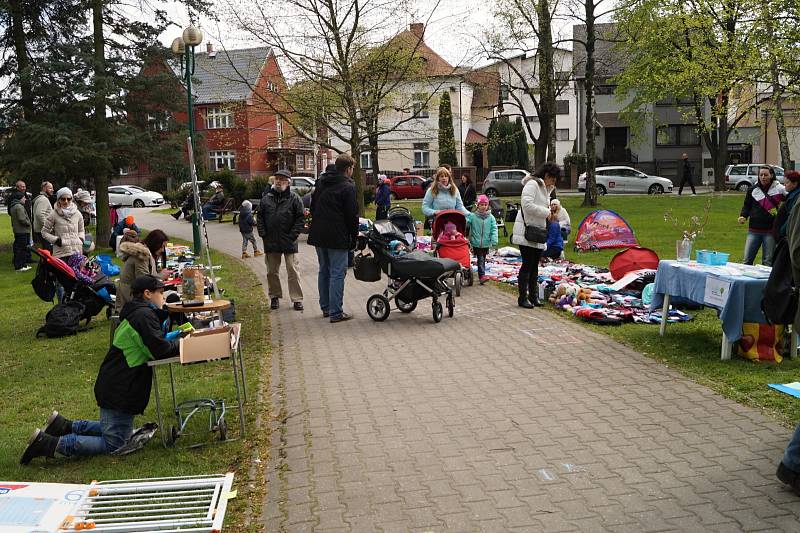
(457, 280)
(405, 307)
(437, 312)
(451, 305)
(378, 307)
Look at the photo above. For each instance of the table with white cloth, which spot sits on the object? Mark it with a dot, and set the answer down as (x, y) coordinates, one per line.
(734, 290)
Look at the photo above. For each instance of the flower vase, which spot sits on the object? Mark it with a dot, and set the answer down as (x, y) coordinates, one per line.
(684, 250)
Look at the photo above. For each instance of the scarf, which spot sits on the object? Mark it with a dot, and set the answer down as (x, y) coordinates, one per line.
(483, 215)
(67, 212)
(768, 200)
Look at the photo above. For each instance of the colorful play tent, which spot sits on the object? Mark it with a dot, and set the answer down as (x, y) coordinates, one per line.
(604, 229)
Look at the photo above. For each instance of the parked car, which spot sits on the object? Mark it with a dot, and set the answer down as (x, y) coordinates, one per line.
(619, 179)
(402, 187)
(134, 196)
(504, 182)
(740, 177)
(302, 185)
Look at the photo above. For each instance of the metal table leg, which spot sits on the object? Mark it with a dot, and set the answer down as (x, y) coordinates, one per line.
(238, 392)
(664, 315)
(240, 355)
(727, 348)
(158, 407)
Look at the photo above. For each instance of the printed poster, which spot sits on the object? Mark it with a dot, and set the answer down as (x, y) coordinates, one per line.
(717, 291)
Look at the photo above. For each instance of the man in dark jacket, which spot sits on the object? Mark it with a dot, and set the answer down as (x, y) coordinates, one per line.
(334, 227)
(122, 389)
(21, 226)
(280, 221)
(686, 174)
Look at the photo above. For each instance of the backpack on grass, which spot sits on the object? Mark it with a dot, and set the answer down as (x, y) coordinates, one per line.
(62, 320)
(780, 294)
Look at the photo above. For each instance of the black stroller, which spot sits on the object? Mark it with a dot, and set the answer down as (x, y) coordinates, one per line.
(404, 220)
(412, 277)
(500, 216)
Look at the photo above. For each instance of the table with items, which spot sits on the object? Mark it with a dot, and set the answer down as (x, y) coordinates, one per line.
(734, 290)
(218, 342)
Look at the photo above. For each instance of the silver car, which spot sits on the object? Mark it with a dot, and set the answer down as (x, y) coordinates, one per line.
(302, 185)
(504, 182)
(741, 177)
(625, 180)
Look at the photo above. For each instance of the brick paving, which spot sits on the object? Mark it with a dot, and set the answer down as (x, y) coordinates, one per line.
(499, 419)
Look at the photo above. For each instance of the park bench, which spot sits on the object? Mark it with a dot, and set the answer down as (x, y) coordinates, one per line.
(227, 207)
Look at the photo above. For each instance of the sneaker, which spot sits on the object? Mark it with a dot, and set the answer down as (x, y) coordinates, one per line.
(39, 445)
(57, 425)
(257, 253)
(482, 280)
(298, 306)
(274, 303)
(341, 318)
(245, 255)
(24, 269)
(789, 477)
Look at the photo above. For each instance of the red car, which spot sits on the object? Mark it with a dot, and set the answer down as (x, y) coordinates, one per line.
(403, 187)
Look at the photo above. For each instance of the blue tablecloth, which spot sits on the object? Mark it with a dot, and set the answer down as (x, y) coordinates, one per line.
(688, 280)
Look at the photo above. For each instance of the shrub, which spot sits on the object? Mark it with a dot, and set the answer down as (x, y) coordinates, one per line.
(257, 186)
(369, 195)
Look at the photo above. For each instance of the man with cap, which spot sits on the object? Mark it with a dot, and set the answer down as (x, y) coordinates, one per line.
(21, 226)
(122, 389)
(215, 202)
(334, 227)
(280, 220)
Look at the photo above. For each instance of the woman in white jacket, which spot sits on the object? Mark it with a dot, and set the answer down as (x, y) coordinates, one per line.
(534, 210)
(63, 227)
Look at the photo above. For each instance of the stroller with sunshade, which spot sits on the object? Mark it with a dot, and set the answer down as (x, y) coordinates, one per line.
(457, 249)
(413, 275)
(402, 218)
(51, 271)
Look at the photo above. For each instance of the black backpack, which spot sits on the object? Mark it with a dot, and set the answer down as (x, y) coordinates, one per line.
(780, 294)
(44, 283)
(62, 320)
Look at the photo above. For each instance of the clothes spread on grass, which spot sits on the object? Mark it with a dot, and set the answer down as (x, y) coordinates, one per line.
(587, 292)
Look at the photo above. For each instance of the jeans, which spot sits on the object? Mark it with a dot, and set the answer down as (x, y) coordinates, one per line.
(754, 241)
(330, 280)
(791, 456)
(90, 437)
(246, 238)
(480, 255)
(22, 256)
(208, 212)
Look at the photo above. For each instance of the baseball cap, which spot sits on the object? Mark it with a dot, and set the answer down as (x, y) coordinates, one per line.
(284, 174)
(146, 283)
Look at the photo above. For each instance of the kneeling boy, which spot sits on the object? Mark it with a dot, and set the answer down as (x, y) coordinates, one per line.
(123, 384)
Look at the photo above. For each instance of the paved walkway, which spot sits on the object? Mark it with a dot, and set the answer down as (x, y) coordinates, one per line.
(498, 419)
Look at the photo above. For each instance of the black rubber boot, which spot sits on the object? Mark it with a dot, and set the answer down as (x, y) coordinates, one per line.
(39, 445)
(57, 425)
(522, 300)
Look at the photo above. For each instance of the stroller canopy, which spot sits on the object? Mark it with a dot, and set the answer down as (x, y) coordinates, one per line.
(633, 259)
(604, 229)
(448, 215)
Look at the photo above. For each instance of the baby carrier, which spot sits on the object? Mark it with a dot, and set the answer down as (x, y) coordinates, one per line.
(456, 249)
(413, 275)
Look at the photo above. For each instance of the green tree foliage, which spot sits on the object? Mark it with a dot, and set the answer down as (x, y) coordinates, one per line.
(503, 143)
(447, 141)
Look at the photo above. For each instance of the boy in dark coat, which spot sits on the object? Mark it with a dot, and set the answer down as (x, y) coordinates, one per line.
(122, 389)
(246, 224)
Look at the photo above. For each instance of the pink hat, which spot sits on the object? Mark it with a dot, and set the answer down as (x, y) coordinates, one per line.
(449, 227)
(483, 199)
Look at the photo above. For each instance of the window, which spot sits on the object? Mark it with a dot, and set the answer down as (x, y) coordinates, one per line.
(271, 87)
(422, 155)
(116, 190)
(279, 126)
(605, 89)
(562, 134)
(672, 101)
(739, 170)
(677, 135)
(123, 171)
(562, 107)
(158, 121)
(421, 105)
(300, 162)
(401, 182)
(218, 117)
(222, 159)
(366, 160)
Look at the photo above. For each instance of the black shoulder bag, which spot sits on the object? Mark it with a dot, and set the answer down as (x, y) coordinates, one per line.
(532, 233)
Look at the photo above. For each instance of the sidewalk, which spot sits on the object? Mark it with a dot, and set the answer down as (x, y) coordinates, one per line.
(498, 419)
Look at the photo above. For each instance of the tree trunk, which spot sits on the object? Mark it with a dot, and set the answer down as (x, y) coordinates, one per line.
(101, 181)
(780, 124)
(358, 178)
(372, 136)
(539, 150)
(23, 64)
(547, 89)
(723, 132)
(590, 197)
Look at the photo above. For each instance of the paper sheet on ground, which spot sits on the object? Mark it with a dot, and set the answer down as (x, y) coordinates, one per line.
(792, 389)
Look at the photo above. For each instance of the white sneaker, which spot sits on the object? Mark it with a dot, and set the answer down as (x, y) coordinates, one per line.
(24, 269)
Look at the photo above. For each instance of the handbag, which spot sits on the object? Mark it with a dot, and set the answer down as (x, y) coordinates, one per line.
(532, 233)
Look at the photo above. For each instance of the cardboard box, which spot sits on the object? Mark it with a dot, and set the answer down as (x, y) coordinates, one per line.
(209, 344)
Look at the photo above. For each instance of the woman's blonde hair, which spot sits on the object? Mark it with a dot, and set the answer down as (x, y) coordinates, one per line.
(441, 171)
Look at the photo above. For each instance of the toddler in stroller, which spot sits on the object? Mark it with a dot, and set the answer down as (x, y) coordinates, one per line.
(448, 235)
(404, 220)
(413, 276)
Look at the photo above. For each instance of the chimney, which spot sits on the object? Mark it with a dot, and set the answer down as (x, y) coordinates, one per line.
(418, 29)
(209, 47)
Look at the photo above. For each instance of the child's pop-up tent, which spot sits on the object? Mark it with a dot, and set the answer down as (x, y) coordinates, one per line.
(604, 229)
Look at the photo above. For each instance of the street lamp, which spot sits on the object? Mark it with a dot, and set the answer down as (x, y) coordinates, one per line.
(183, 47)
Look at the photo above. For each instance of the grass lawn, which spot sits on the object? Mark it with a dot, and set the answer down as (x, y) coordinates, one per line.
(39, 375)
(693, 348)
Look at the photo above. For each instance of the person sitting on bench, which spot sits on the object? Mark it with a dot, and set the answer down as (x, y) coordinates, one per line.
(122, 389)
(214, 203)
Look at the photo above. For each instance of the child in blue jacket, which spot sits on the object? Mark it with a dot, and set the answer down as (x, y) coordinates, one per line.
(482, 234)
